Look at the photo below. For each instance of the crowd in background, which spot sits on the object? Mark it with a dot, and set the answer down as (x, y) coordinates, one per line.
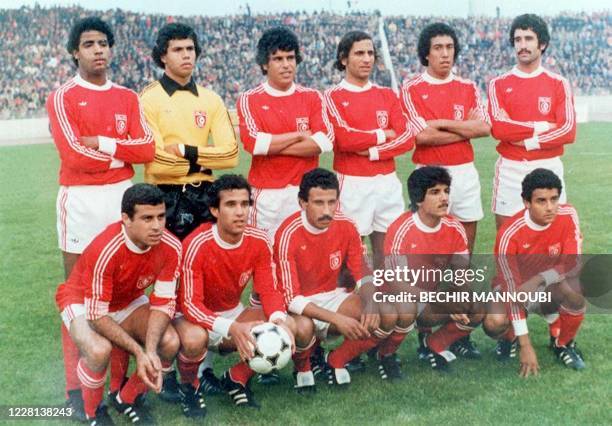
(34, 60)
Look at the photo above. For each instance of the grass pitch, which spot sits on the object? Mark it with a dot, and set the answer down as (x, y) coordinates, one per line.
(475, 392)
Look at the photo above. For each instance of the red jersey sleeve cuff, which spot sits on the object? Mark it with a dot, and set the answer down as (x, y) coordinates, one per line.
(107, 145)
(520, 327)
(532, 143)
(95, 309)
(222, 326)
(323, 142)
(380, 136)
(374, 154)
(298, 304)
(278, 316)
(551, 276)
(262, 143)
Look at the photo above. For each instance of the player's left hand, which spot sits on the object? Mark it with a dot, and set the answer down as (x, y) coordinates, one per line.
(460, 318)
(370, 321)
(365, 153)
(285, 325)
(89, 141)
(158, 368)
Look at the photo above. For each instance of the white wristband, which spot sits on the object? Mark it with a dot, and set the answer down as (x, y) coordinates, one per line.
(380, 136)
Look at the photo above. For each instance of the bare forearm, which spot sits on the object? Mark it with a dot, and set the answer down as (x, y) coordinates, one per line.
(283, 141)
(466, 129)
(158, 322)
(313, 311)
(304, 148)
(108, 328)
(433, 136)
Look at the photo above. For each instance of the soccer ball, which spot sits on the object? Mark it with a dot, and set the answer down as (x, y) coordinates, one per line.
(272, 349)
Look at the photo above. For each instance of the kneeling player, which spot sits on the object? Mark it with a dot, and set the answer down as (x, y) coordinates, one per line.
(428, 239)
(103, 303)
(310, 248)
(220, 259)
(537, 251)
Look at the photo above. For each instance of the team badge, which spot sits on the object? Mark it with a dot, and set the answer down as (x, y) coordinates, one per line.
(244, 278)
(334, 260)
(382, 118)
(120, 123)
(458, 112)
(200, 118)
(554, 250)
(544, 104)
(302, 124)
(144, 282)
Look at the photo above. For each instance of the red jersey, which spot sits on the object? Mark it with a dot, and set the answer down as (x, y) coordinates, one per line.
(111, 112)
(112, 272)
(531, 101)
(215, 273)
(427, 98)
(264, 112)
(309, 259)
(360, 115)
(409, 242)
(524, 249)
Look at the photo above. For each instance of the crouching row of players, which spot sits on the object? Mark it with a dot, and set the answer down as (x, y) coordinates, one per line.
(103, 303)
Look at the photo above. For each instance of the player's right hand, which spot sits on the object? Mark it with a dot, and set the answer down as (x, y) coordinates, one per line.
(351, 328)
(148, 372)
(240, 332)
(528, 361)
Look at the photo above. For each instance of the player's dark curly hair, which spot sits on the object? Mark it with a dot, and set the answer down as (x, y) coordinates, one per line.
(540, 179)
(422, 179)
(174, 31)
(532, 22)
(345, 45)
(91, 23)
(317, 178)
(431, 31)
(226, 182)
(273, 39)
(141, 193)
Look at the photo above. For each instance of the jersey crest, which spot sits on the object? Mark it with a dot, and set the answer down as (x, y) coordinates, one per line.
(200, 118)
(144, 282)
(121, 123)
(554, 250)
(244, 278)
(382, 118)
(458, 112)
(302, 124)
(334, 260)
(544, 104)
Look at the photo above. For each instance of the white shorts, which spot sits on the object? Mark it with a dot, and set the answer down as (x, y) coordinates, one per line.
(465, 203)
(507, 183)
(331, 301)
(373, 202)
(272, 206)
(73, 311)
(215, 339)
(84, 211)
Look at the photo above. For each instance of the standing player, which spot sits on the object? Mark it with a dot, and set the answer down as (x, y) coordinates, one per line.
(370, 130)
(532, 115)
(284, 127)
(193, 135)
(447, 112)
(183, 117)
(428, 238)
(220, 259)
(310, 248)
(99, 130)
(103, 303)
(537, 250)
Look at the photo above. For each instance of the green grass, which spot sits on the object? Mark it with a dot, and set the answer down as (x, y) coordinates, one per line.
(481, 392)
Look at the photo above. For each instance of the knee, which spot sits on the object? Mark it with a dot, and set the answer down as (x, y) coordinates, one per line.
(388, 319)
(304, 330)
(98, 353)
(170, 343)
(405, 320)
(194, 342)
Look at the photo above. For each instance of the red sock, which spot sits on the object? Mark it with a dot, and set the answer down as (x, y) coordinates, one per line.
(71, 360)
(509, 335)
(446, 335)
(167, 366)
(188, 367)
(301, 357)
(92, 386)
(391, 344)
(241, 373)
(119, 362)
(349, 349)
(554, 328)
(134, 387)
(570, 323)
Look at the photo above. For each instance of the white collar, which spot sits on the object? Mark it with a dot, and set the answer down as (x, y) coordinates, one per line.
(433, 80)
(278, 93)
(354, 88)
(222, 243)
(531, 224)
(86, 84)
(517, 72)
(419, 224)
(310, 228)
(131, 245)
